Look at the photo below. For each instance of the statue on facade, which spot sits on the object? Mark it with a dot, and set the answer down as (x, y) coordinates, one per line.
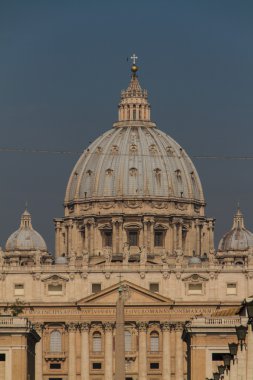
(72, 257)
(126, 252)
(85, 255)
(107, 255)
(37, 258)
(143, 254)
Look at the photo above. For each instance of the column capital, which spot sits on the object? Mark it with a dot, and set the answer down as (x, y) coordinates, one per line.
(108, 326)
(177, 221)
(166, 326)
(39, 327)
(142, 326)
(118, 219)
(71, 327)
(84, 326)
(179, 326)
(90, 221)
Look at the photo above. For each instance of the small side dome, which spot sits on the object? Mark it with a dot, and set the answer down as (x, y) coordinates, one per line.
(238, 238)
(25, 238)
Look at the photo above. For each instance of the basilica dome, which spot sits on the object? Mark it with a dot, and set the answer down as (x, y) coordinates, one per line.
(134, 160)
(238, 238)
(25, 238)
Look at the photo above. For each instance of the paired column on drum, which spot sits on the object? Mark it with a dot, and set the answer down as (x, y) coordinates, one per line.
(85, 351)
(108, 327)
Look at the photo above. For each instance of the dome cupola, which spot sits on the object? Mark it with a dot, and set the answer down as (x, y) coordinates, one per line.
(238, 238)
(25, 238)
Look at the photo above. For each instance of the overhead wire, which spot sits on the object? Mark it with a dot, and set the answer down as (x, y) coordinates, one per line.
(72, 152)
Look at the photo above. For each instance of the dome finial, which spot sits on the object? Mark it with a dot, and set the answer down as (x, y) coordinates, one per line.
(134, 67)
(238, 218)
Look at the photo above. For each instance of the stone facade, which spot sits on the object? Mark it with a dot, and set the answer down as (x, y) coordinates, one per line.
(134, 216)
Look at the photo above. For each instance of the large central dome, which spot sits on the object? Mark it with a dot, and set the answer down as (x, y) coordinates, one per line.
(134, 186)
(134, 160)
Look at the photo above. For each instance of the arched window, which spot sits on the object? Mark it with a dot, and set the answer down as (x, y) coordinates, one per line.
(55, 341)
(97, 342)
(128, 341)
(154, 341)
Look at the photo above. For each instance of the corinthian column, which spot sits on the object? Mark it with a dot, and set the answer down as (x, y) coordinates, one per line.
(72, 351)
(179, 352)
(108, 351)
(166, 352)
(85, 352)
(39, 353)
(142, 351)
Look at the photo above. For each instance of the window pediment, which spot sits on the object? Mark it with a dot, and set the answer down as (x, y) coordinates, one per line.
(194, 278)
(55, 279)
(133, 225)
(160, 226)
(105, 226)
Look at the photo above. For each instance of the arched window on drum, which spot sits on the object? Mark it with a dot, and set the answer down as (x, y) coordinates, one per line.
(55, 341)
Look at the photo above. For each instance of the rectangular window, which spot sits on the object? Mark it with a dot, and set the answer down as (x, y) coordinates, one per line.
(19, 290)
(2, 357)
(96, 365)
(54, 290)
(231, 288)
(133, 238)
(55, 378)
(159, 241)
(95, 288)
(55, 366)
(108, 238)
(154, 287)
(154, 365)
(195, 288)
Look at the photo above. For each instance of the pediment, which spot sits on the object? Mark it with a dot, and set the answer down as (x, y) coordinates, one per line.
(55, 277)
(134, 295)
(195, 278)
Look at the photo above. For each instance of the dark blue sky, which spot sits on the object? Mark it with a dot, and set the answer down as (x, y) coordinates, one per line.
(63, 64)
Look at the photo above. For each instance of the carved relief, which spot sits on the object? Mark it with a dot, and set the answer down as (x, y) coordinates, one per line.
(86, 206)
(133, 148)
(181, 206)
(133, 204)
(159, 204)
(114, 149)
(152, 148)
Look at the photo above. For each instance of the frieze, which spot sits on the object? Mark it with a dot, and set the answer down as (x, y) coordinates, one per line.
(168, 310)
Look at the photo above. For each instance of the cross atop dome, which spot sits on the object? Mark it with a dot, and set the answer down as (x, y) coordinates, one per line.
(134, 58)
